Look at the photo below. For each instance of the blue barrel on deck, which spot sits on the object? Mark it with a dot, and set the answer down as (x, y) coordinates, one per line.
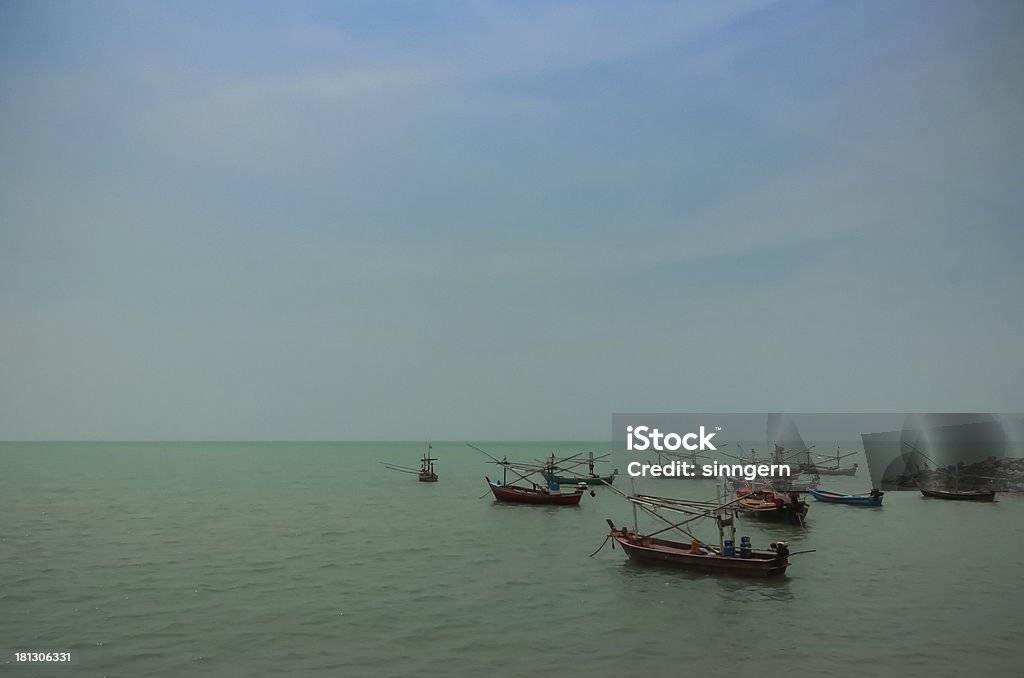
(745, 550)
(729, 549)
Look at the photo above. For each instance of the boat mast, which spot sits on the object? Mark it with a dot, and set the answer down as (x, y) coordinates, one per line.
(632, 487)
(718, 521)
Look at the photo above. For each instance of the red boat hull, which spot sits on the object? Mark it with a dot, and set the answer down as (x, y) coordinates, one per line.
(526, 495)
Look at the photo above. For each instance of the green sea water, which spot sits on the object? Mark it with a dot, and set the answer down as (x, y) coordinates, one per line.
(311, 559)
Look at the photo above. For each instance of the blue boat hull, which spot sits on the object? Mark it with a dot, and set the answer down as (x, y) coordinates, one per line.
(849, 499)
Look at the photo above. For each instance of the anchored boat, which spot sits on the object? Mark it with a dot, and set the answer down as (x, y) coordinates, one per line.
(425, 473)
(530, 492)
(837, 470)
(766, 504)
(518, 494)
(695, 555)
(941, 477)
(960, 495)
(872, 499)
(564, 474)
(651, 549)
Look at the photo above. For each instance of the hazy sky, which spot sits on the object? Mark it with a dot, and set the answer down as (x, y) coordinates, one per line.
(486, 220)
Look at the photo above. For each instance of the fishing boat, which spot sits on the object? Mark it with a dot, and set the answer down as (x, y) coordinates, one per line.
(837, 470)
(565, 475)
(588, 479)
(695, 555)
(518, 494)
(940, 476)
(425, 473)
(723, 558)
(782, 458)
(874, 498)
(780, 484)
(531, 492)
(766, 504)
(829, 470)
(960, 495)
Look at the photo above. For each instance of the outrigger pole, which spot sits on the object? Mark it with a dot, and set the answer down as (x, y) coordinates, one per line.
(645, 502)
(506, 465)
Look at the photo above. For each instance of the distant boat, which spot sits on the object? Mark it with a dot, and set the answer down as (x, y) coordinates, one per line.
(960, 495)
(836, 470)
(518, 494)
(590, 477)
(829, 470)
(589, 480)
(548, 492)
(781, 485)
(955, 494)
(872, 499)
(425, 473)
(767, 505)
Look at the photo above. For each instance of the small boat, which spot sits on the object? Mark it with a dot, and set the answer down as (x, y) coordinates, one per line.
(836, 470)
(518, 494)
(696, 555)
(531, 492)
(723, 558)
(765, 504)
(829, 470)
(960, 495)
(425, 473)
(872, 499)
(941, 477)
(779, 485)
(591, 478)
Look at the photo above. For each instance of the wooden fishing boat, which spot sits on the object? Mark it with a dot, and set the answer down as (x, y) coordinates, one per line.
(767, 505)
(829, 470)
(650, 549)
(588, 479)
(697, 556)
(960, 495)
(425, 473)
(781, 485)
(518, 494)
(941, 476)
(531, 492)
(563, 472)
(872, 499)
(836, 470)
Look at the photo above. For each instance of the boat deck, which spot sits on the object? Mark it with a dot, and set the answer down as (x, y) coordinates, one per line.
(681, 549)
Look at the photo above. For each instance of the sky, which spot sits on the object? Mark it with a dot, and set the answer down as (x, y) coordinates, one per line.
(489, 220)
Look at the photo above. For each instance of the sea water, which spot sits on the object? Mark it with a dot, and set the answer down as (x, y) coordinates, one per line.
(269, 559)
